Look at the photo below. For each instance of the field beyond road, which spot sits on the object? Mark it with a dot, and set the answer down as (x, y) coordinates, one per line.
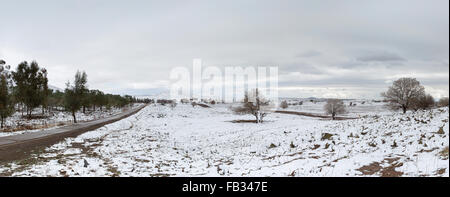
(196, 141)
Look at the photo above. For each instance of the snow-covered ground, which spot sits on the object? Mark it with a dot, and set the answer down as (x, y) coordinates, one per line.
(195, 141)
(359, 107)
(17, 124)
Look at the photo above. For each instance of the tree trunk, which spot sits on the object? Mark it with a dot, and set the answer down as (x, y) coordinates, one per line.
(260, 117)
(404, 109)
(2, 123)
(333, 116)
(84, 109)
(74, 117)
(29, 111)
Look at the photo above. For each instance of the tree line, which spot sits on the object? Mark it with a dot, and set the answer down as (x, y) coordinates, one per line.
(26, 88)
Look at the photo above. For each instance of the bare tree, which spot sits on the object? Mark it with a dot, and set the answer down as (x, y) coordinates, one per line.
(184, 101)
(284, 105)
(423, 102)
(334, 107)
(443, 102)
(254, 103)
(173, 104)
(403, 93)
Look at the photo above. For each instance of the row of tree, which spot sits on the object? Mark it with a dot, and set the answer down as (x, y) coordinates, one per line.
(26, 89)
(77, 96)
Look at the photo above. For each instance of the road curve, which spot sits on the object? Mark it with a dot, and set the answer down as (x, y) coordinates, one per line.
(19, 146)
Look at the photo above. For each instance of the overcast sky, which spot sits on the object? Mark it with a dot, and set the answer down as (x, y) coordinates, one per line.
(326, 48)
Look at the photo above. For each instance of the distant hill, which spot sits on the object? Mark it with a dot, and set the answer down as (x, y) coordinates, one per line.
(55, 88)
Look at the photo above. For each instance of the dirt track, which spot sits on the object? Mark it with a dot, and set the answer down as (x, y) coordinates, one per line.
(20, 146)
(314, 115)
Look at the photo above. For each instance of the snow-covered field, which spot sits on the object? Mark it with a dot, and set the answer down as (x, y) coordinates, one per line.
(358, 108)
(195, 141)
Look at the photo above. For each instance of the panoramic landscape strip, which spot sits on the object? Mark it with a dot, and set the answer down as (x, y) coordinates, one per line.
(224, 97)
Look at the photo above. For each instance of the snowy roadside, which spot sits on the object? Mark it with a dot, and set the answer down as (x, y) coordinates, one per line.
(187, 141)
(54, 120)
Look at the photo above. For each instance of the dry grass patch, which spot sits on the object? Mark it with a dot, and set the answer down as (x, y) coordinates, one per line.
(444, 153)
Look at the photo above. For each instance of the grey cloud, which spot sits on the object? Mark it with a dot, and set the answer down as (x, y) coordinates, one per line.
(336, 81)
(381, 57)
(311, 53)
(352, 64)
(301, 67)
(357, 63)
(125, 44)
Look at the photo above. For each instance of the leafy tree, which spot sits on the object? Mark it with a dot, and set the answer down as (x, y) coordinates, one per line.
(6, 103)
(74, 94)
(6, 106)
(72, 103)
(117, 101)
(86, 101)
(403, 93)
(32, 87)
(45, 92)
(94, 97)
(102, 100)
(56, 99)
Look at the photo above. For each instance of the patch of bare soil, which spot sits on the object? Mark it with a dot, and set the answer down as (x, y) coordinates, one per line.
(441, 171)
(243, 121)
(288, 155)
(428, 151)
(247, 121)
(389, 171)
(203, 105)
(444, 153)
(23, 164)
(370, 169)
